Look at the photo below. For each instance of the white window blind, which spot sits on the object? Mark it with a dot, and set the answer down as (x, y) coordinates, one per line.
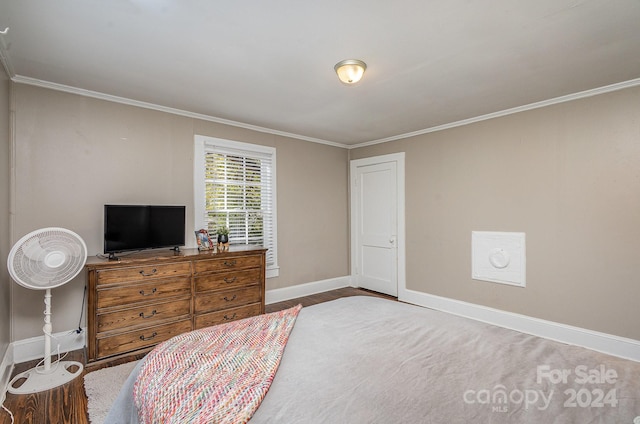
(239, 193)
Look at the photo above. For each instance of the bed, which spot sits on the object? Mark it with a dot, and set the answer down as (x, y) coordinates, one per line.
(369, 360)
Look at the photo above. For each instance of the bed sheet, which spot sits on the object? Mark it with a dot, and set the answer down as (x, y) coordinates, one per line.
(369, 360)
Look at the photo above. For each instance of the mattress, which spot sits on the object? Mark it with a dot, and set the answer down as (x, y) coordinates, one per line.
(370, 360)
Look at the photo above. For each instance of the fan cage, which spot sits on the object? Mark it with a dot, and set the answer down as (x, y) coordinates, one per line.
(47, 258)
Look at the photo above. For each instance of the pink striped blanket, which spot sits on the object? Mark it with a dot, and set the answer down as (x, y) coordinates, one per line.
(217, 374)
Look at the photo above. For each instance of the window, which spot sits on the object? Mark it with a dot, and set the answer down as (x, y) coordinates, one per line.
(235, 186)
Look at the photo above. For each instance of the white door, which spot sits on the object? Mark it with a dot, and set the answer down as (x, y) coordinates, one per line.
(374, 223)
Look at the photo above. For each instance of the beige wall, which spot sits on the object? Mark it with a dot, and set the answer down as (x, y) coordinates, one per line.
(74, 154)
(567, 175)
(5, 282)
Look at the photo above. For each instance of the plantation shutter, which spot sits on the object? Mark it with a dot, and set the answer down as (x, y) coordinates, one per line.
(240, 195)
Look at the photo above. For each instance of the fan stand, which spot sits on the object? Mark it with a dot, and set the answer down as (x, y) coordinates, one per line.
(39, 378)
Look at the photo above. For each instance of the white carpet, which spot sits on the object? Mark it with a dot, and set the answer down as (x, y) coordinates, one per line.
(102, 388)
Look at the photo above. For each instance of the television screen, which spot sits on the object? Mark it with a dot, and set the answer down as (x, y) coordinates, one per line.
(138, 227)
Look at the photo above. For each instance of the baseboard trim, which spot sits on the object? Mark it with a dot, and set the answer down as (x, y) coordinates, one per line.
(307, 289)
(594, 340)
(33, 348)
(6, 368)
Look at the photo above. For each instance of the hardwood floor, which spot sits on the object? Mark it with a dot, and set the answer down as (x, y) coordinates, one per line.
(323, 297)
(68, 403)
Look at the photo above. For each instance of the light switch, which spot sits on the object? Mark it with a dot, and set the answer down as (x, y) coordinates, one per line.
(498, 257)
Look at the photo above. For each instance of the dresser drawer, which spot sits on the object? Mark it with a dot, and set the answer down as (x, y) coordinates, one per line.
(227, 264)
(228, 315)
(144, 315)
(227, 280)
(217, 301)
(160, 288)
(139, 339)
(141, 273)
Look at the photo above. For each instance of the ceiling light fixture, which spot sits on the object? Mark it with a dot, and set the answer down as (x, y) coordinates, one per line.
(350, 71)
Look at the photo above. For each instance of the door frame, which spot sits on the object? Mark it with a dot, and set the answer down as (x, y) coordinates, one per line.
(398, 158)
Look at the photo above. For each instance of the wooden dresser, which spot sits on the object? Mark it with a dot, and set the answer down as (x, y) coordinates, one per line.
(146, 298)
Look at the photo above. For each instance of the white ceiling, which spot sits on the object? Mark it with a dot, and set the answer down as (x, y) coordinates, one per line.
(269, 63)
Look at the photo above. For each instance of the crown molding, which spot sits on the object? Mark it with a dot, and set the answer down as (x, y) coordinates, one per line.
(116, 99)
(524, 108)
(131, 102)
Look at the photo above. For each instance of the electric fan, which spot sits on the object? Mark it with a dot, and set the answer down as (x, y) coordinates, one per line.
(42, 260)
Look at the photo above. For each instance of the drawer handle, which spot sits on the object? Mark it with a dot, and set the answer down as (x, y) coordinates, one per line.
(230, 318)
(144, 339)
(229, 280)
(148, 294)
(230, 264)
(143, 316)
(144, 274)
(229, 300)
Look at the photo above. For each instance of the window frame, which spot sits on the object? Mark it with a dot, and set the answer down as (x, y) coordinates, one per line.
(206, 144)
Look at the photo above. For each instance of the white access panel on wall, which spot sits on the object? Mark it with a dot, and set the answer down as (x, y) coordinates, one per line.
(498, 257)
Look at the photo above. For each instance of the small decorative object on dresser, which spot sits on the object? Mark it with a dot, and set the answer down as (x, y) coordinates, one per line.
(144, 299)
(223, 238)
(204, 242)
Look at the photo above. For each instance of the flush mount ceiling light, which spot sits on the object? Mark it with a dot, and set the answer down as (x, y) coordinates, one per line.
(350, 71)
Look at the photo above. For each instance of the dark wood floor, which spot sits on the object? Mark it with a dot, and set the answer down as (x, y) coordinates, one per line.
(68, 403)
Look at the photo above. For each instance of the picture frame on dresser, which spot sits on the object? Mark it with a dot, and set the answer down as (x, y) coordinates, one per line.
(203, 240)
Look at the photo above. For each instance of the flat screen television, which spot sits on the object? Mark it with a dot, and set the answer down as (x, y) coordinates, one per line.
(139, 227)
